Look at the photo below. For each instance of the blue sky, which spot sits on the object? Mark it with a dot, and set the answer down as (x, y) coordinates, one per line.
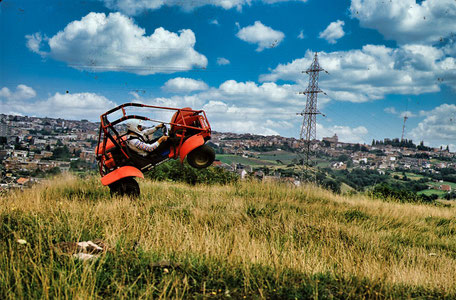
(240, 60)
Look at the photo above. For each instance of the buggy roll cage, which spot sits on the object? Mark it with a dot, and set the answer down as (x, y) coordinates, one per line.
(178, 119)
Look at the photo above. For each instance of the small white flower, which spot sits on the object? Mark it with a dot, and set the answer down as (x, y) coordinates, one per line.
(22, 242)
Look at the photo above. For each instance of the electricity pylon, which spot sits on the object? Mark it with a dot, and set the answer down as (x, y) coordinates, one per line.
(309, 124)
(403, 128)
(405, 119)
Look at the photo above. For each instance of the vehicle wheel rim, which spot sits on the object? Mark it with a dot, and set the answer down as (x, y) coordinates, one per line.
(201, 160)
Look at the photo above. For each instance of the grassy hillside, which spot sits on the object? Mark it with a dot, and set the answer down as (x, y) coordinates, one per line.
(248, 240)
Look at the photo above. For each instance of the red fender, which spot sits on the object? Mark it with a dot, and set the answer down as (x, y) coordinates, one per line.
(190, 144)
(127, 171)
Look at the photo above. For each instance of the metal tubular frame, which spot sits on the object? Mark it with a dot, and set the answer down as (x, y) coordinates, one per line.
(105, 125)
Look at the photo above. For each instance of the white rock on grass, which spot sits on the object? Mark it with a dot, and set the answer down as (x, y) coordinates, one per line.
(90, 247)
(84, 256)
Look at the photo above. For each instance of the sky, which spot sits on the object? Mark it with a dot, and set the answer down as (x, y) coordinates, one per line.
(242, 61)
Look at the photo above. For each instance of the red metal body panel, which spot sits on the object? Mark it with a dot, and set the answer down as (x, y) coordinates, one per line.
(190, 144)
(122, 172)
(180, 117)
(109, 145)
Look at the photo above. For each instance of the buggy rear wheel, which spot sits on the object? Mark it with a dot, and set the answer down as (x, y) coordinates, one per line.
(201, 157)
(125, 187)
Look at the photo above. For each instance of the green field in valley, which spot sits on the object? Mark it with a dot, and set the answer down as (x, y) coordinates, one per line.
(284, 156)
(432, 191)
(437, 184)
(411, 176)
(231, 158)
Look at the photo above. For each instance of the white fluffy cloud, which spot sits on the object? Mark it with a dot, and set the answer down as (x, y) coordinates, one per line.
(264, 36)
(333, 32)
(78, 105)
(265, 96)
(232, 118)
(34, 42)
(22, 92)
(393, 111)
(344, 133)
(133, 7)
(69, 106)
(407, 21)
(184, 85)
(438, 126)
(374, 71)
(221, 61)
(114, 43)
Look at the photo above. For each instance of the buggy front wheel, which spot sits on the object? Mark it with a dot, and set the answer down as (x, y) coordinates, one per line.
(201, 157)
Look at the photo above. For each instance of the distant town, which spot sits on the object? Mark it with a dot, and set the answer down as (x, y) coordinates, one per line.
(32, 148)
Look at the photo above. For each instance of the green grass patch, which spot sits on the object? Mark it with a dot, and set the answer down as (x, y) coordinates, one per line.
(432, 191)
(411, 176)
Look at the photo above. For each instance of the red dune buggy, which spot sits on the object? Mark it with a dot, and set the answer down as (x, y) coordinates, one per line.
(118, 164)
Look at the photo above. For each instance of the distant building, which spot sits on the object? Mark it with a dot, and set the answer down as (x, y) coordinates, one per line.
(242, 173)
(217, 163)
(339, 165)
(4, 130)
(333, 139)
(24, 181)
(445, 187)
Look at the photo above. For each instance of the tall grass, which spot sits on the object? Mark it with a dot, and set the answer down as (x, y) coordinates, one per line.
(248, 240)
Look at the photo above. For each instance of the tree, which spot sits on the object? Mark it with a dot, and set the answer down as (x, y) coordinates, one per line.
(62, 153)
(385, 191)
(343, 157)
(54, 171)
(450, 196)
(175, 171)
(38, 173)
(332, 185)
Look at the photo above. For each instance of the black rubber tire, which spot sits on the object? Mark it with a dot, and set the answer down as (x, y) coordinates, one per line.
(125, 187)
(201, 157)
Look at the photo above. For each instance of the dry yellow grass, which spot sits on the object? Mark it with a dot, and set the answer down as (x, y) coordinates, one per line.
(395, 250)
